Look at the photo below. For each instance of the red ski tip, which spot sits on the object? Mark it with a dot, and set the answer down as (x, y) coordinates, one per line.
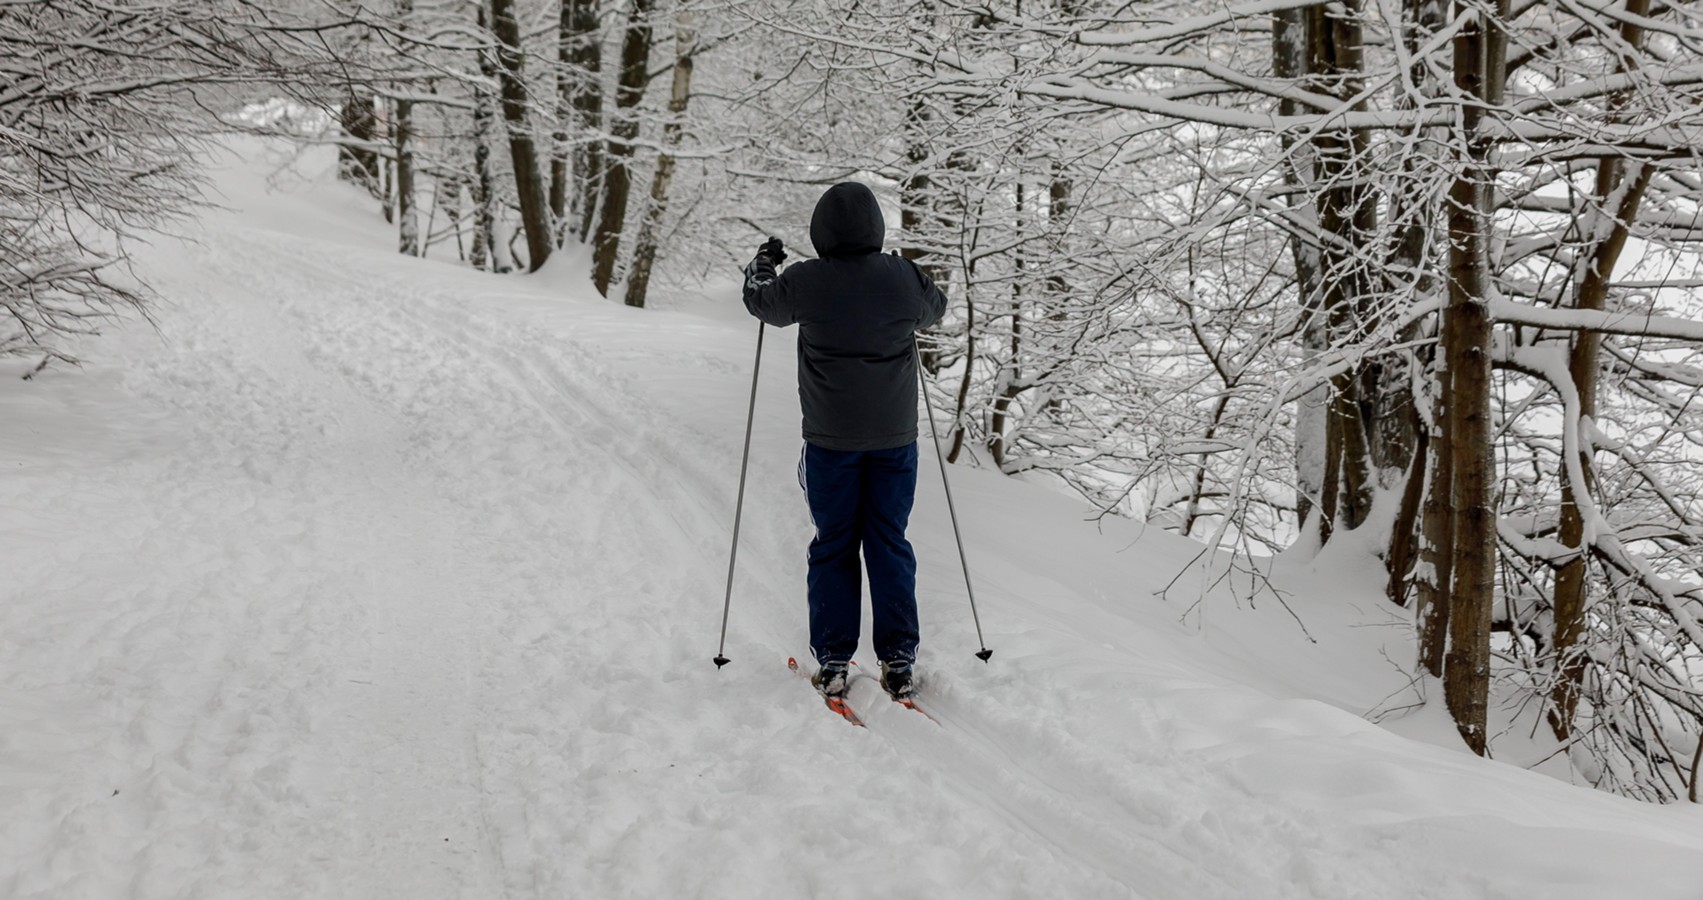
(839, 705)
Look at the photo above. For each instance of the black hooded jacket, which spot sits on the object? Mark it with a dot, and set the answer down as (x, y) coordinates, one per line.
(857, 310)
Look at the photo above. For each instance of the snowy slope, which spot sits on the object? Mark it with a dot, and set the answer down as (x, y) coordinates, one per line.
(369, 577)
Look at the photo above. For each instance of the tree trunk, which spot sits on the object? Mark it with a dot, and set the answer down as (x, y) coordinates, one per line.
(529, 185)
(1006, 387)
(1619, 191)
(446, 195)
(913, 191)
(1402, 538)
(588, 102)
(644, 247)
(1197, 493)
(407, 217)
(1412, 550)
(358, 163)
(566, 78)
(487, 208)
(1347, 221)
(918, 216)
(402, 137)
(1351, 447)
(1433, 583)
(1058, 211)
(1291, 59)
(963, 397)
(579, 108)
(387, 190)
(1467, 333)
(1330, 480)
(1621, 194)
(1401, 436)
(1466, 673)
(618, 183)
(910, 220)
(916, 194)
(1696, 764)
(1010, 385)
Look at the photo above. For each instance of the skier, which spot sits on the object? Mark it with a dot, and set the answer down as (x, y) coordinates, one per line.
(857, 312)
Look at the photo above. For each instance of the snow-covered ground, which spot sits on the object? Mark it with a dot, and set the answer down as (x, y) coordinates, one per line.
(372, 577)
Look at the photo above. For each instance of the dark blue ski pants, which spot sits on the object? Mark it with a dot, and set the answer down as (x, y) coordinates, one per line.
(861, 499)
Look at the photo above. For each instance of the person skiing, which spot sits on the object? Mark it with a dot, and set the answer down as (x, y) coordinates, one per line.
(857, 312)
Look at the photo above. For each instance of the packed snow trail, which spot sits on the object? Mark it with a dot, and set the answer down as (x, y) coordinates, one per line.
(371, 577)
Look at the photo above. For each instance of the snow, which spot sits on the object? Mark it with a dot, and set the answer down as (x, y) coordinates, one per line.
(375, 577)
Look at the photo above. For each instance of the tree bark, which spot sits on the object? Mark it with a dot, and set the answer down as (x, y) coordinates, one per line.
(1467, 333)
(407, 217)
(359, 163)
(918, 204)
(618, 183)
(1289, 60)
(1007, 387)
(529, 185)
(1402, 538)
(446, 193)
(1295, 57)
(579, 103)
(387, 188)
(1620, 190)
(963, 397)
(1696, 763)
(487, 210)
(1347, 219)
(1412, 550)
(566, 78)
(1571, 600)
(680, 94)
(402, 137)
(1433, 584)
(914, 190)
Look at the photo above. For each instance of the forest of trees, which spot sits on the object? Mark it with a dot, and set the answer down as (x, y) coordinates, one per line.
(1421, 275)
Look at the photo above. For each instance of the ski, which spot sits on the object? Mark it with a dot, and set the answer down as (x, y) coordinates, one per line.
(842, 706)
(910, 703)
(837, 704)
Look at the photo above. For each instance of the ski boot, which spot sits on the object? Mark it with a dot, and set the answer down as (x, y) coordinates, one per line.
(896, 679)
(831, 680)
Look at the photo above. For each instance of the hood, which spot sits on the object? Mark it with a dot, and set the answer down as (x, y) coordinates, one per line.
(847, 221)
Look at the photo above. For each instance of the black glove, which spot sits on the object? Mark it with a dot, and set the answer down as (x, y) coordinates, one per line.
(773, 251)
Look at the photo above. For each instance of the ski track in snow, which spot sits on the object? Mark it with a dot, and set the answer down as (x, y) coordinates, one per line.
(399, 592)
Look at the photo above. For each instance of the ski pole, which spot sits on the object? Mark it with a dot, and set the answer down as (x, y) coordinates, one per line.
(957, 535)
(739, 505)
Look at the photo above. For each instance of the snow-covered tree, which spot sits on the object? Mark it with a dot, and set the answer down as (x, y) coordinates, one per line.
(102, 114)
